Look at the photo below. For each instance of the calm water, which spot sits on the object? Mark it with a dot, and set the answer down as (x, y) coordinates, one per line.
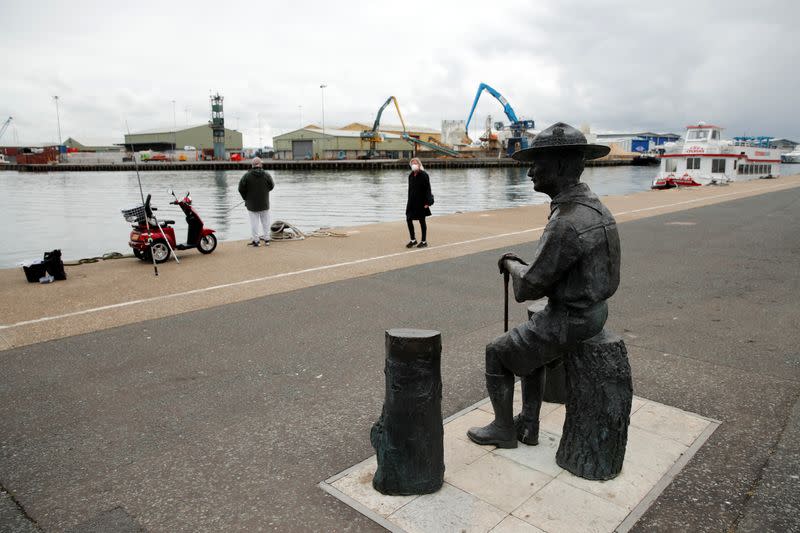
(80, 212)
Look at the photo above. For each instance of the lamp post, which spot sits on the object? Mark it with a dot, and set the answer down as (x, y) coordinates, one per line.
(174, 131)
(322, 141)
(58, 123)
(260, 140)
(58, 120)
(300, 108)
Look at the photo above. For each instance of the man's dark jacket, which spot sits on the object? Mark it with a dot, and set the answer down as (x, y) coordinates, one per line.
(577, 261)
(254, 188)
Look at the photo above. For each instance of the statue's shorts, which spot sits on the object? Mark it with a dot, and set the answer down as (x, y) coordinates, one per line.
(545, 337)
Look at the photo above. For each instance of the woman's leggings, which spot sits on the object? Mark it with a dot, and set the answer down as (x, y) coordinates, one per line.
(422, 225)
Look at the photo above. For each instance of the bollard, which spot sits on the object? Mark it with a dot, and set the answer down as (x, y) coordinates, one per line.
(409, 437)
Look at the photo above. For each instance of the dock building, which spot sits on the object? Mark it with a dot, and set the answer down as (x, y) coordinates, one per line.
(200, 137)
(309, 142)
(418, 132)
(637, 142)
(783, 144)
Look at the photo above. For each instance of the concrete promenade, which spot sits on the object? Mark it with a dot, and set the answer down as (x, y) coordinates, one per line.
(217, 396)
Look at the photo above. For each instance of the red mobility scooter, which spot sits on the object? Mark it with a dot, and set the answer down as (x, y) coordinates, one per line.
(153, 238)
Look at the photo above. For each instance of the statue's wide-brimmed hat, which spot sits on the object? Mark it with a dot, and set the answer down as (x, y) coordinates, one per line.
(560, 137)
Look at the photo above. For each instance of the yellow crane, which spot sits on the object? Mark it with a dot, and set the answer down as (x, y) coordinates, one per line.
(373, 135)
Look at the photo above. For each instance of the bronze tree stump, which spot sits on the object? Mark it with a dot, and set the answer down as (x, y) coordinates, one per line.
(599, 396)
(409, 437)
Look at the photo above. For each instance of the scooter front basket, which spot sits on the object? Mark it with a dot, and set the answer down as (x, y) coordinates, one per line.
(134, 214)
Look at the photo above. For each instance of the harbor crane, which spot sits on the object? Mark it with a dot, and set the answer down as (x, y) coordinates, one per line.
(374, 136)
(517, 141)
(4, 127)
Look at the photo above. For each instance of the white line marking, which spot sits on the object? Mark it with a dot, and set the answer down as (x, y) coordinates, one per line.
(337, 265)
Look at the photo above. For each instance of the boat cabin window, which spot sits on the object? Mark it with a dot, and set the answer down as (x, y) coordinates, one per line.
(697, 135)
(693, 163)
(715, 134)
(717, 165)
(670, 165)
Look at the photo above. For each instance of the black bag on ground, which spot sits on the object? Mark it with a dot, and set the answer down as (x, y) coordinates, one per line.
(54, 265)
(34, 271)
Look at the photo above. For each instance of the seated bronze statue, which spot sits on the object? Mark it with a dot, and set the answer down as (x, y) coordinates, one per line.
(576, 266)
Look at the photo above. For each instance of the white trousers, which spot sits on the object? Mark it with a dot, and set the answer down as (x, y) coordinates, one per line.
(259, 221)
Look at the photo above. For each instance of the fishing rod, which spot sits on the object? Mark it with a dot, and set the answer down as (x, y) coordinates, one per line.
(141, 194)
(234, 207)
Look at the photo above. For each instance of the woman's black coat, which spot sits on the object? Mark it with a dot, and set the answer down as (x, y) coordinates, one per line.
(419, 194)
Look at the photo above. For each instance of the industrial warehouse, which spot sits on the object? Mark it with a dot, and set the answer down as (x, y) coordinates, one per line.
(166, 139)
(347, 142)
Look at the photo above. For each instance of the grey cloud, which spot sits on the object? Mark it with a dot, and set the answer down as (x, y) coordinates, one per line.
(614, 65)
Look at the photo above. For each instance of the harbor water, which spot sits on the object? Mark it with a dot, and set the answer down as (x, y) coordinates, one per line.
(79, 213)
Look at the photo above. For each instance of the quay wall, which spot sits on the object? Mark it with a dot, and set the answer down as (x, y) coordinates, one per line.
(272, 164)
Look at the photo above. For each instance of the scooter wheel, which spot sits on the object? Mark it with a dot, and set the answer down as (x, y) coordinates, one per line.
(160, 251)
(207, 244)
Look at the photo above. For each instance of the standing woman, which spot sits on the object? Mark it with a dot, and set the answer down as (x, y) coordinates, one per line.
(420, 199)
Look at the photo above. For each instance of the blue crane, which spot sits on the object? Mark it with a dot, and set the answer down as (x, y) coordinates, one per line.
(518, 140)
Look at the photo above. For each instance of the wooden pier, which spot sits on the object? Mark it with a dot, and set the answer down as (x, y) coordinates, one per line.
(275, 164)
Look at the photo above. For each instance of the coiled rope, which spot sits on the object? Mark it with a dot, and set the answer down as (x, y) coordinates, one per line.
(284, 231)
(105, 257)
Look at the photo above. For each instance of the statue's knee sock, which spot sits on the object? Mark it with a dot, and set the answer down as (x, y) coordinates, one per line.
(527, 423)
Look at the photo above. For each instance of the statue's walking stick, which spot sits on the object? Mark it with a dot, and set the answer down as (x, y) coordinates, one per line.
(505, 298)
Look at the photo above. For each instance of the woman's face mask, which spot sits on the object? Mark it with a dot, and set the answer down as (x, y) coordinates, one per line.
(414, 167)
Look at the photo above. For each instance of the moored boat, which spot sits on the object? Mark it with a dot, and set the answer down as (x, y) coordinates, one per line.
(704, 158)
(791, 157)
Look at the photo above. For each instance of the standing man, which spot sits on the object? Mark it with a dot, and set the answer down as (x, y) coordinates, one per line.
(254, 188)
(576, 265)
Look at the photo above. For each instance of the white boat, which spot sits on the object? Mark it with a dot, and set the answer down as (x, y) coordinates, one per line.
(704, 158)
(3, 160)
(792, 157)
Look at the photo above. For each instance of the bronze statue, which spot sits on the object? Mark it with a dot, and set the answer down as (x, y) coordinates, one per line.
(576, 266)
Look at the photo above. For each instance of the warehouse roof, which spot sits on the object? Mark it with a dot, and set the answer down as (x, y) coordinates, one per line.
(166, 129)
(332, 132)
(170, 129)
(390, 127)
(639, 134)
(410, 127)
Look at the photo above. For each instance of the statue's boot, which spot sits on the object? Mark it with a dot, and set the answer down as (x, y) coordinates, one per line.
(527, 422)
(501, 431)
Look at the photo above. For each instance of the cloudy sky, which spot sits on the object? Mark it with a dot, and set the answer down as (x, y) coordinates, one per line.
(617, 66)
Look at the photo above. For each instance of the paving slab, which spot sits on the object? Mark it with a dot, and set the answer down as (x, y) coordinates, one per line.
(525, 483)
(12, 518)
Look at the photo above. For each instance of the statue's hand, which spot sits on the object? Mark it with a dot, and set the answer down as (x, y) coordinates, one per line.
(503, 266)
